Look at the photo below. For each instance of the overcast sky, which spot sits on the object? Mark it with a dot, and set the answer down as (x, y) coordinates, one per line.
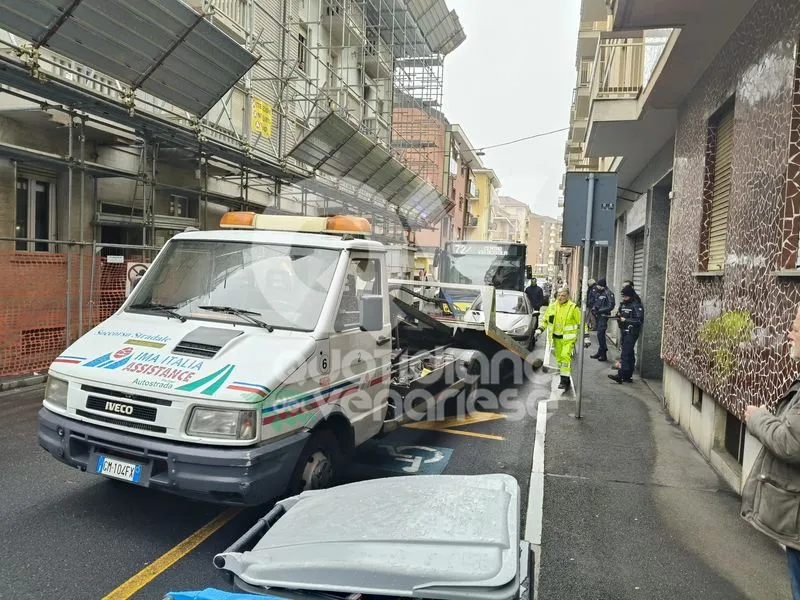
(514, 77)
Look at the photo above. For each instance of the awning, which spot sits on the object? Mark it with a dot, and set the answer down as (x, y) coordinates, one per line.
(163, 47)
(339, 150)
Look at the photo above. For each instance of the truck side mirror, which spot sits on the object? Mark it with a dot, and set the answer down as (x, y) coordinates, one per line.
(371, 313)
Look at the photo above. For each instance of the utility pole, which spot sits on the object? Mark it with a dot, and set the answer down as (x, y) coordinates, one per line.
(587, 248)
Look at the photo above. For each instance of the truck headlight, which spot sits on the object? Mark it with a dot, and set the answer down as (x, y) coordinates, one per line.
(222, 423)
(55, 392)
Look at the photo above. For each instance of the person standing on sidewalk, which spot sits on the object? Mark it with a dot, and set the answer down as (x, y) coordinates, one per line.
(562, 320)
(591, 296)
(771, 493)
(603, 305)
(631, 317)
(535, 294)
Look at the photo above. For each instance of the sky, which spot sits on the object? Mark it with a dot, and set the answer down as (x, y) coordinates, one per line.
(511, 78)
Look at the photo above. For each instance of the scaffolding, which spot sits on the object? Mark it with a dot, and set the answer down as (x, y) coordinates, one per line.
(153, 150)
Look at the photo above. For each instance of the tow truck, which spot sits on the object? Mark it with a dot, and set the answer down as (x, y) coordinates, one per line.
(248, 362)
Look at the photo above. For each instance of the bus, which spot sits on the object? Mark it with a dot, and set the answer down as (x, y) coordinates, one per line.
(500, 264)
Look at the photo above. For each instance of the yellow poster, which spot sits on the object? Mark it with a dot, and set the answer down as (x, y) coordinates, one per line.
(261, 118)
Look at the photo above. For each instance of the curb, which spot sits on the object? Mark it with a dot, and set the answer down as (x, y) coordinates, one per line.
(22, 382)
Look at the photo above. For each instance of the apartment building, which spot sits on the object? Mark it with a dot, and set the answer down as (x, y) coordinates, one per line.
(544, 243)
(482, 197)
(265, 105)
(457, 184)
(510, 220)
(704, 122)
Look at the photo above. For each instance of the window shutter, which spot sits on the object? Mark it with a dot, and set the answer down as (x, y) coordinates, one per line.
(638, 262)
(721, 193)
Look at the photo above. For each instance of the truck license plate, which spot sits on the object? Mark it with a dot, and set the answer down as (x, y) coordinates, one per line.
(118, 469)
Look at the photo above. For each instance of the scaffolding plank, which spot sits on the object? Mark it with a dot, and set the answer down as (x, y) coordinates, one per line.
(163, 47)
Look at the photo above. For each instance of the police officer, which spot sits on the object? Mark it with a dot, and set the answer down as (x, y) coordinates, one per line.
(631, 317)
(604, 303)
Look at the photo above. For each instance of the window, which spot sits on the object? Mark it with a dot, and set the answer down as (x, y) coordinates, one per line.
(363, 278)
(697, 397)
(734, 437)
(303, 42)
(35, 214)
(717, 189)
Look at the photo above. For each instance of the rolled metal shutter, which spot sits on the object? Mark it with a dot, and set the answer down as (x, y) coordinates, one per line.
(638, 262)
(721, 192)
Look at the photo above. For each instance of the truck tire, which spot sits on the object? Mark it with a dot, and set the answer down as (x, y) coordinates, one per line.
(319, 464)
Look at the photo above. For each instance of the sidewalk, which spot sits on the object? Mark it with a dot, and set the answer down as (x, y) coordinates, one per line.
(632, 510)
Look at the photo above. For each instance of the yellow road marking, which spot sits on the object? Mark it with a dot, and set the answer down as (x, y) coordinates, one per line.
(166, 560)
(447, 425)
(485, 436)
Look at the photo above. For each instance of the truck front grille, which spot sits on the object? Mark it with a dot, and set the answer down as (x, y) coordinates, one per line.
(124, 395)
(146, 413)
(122, 422)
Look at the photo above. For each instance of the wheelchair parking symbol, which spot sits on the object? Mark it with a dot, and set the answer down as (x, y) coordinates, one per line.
(416, 460)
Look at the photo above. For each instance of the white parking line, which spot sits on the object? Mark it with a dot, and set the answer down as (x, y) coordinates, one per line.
(534, 512)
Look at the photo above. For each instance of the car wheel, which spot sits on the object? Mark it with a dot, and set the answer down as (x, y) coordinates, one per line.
(319, 464)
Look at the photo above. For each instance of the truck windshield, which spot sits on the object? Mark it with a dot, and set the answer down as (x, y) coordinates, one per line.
(283, 286)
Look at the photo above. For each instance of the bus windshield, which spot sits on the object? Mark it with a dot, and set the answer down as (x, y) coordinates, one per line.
(499, 264)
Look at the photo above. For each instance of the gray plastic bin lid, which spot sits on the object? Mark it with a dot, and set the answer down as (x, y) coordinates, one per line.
(438, 536)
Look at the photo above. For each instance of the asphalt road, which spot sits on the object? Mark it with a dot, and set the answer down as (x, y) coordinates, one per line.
(67, 534)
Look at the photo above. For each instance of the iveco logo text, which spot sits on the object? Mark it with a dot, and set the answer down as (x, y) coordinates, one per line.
(116, 407)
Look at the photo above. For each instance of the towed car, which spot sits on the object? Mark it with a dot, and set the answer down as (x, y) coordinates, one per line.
(514, 315)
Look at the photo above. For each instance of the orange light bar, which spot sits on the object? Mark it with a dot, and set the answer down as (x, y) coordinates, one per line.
(238, 220)
(348, 224)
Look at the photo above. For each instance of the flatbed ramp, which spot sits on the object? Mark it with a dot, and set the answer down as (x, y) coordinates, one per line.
(424, 300)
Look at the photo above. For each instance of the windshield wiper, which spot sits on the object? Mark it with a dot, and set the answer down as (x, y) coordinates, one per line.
(239, 312)
(165, 309)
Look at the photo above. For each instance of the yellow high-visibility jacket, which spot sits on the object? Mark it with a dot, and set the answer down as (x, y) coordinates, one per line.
(566, 320)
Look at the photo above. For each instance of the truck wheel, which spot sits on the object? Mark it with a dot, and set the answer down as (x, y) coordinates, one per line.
(318, 465)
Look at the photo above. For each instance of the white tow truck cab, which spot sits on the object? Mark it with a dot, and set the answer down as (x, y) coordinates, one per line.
(246, 363)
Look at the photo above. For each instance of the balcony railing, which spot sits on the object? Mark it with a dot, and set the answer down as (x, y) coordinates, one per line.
(619, 68)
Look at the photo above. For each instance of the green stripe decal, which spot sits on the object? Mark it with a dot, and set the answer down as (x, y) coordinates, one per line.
(212, 389)
(223, 374)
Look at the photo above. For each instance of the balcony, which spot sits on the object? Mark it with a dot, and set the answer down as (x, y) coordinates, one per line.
(624, 71)
(229, 15)
(635, 102)
(345, 21)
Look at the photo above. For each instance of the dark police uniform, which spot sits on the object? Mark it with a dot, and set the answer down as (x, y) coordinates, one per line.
(633, 312)
(604, 303)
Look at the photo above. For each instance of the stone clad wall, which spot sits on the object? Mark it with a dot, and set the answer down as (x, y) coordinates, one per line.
(727, 334)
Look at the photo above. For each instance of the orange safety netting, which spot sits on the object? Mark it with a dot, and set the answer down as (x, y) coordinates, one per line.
(33, 304)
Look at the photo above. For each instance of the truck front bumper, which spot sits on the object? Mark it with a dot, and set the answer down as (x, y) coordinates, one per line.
(240, 476)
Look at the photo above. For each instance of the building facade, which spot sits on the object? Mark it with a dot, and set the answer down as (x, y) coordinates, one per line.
(510, 220)
(485, 184)
(706, 125)
(544, 243)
